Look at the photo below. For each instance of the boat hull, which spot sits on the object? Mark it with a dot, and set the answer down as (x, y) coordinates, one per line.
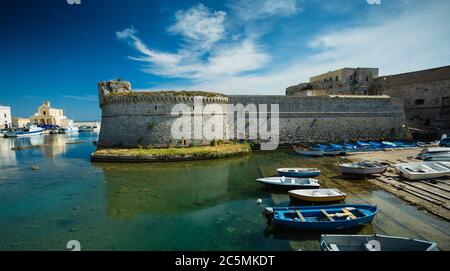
(305, 185)
(277, 218)
(386, 243)
(300, 197)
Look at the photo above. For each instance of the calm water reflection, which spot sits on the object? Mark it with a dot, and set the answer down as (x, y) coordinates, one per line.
(202, 205)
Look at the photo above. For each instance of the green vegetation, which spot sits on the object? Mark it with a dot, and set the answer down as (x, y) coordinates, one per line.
(216, 150)
(168, 93)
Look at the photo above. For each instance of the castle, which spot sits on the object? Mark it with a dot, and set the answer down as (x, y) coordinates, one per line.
(131, 119)
(426, 93)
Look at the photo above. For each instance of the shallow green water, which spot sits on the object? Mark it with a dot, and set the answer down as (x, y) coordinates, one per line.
(199, 205)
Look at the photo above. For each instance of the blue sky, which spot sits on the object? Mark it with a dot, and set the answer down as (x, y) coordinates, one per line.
(51, 50)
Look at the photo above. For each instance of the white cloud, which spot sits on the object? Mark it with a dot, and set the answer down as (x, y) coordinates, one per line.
(204, 56)
(200, 26)
(262, 9)
(410, 41)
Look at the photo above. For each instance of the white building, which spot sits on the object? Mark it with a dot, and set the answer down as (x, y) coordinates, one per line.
(5, 117)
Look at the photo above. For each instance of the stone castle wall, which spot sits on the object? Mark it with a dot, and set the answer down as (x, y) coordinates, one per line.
(146, 120)
(334, 119)
(131, 119)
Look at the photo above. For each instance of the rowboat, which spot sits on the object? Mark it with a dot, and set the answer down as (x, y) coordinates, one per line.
(317, 195)
(334, 217)
(388, 144)
(373, 243)
(298, 172)
(290, 182)
(362, 168)
(308, 152)
(423, 170)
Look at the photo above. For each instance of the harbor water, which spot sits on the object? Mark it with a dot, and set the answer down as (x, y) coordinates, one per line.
(198, 205)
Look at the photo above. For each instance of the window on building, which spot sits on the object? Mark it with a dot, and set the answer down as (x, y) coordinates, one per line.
(419, 102)
(445, 101)
(43, 113)
(427, 122)
(337, 78)
(367, 78)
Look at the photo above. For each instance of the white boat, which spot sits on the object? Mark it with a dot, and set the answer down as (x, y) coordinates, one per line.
(435, 150)
(68, 130)
(362, 168)
(332, 242)
(298, 172)
(423, 170)
(28, 131)
(290, 182)
(308, 152)
(317, 195)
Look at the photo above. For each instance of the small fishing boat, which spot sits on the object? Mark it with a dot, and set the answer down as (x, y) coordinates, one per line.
(334, 242)
(27, 131)
(435, 150)
(350, 147)
(298, 172)
(68, 130)
(290, 182)
(388, 144)
(375, 145)
(317, 195)
(423, 170)
(362, 168)
(333, 217)
(363, 144)
(308, 152)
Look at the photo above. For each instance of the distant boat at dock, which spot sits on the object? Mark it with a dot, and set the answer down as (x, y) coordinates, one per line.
(290, 182)
(30, 130)
(362, 168)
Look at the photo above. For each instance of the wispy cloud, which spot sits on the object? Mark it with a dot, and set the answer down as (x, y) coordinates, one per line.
(255, 10)
(410, 41)
(203, 56)
(199, 26)
(87, 98)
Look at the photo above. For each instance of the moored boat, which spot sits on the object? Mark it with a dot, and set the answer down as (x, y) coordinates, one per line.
(362, 168)
(298, 172)
(308, 152)
(290, 182)
(333, 217)
(423, 170)
(317, 195)
(335, 242)
(28, 131)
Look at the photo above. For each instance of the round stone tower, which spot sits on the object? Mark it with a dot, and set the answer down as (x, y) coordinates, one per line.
(145, 119)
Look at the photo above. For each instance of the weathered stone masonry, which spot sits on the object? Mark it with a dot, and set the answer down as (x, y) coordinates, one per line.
(130, 118)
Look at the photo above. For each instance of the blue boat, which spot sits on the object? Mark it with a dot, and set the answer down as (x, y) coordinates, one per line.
(331, 217)
(363, 144)
(350, 147)
(403, 144)
(388, 144)
(298, 172)
(376, 145)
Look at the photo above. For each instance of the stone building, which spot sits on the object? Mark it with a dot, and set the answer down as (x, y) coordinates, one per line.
(5, 117)
(20, 122)
(47, 115)
(346, 81)
(131, 119)
(426, 95)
